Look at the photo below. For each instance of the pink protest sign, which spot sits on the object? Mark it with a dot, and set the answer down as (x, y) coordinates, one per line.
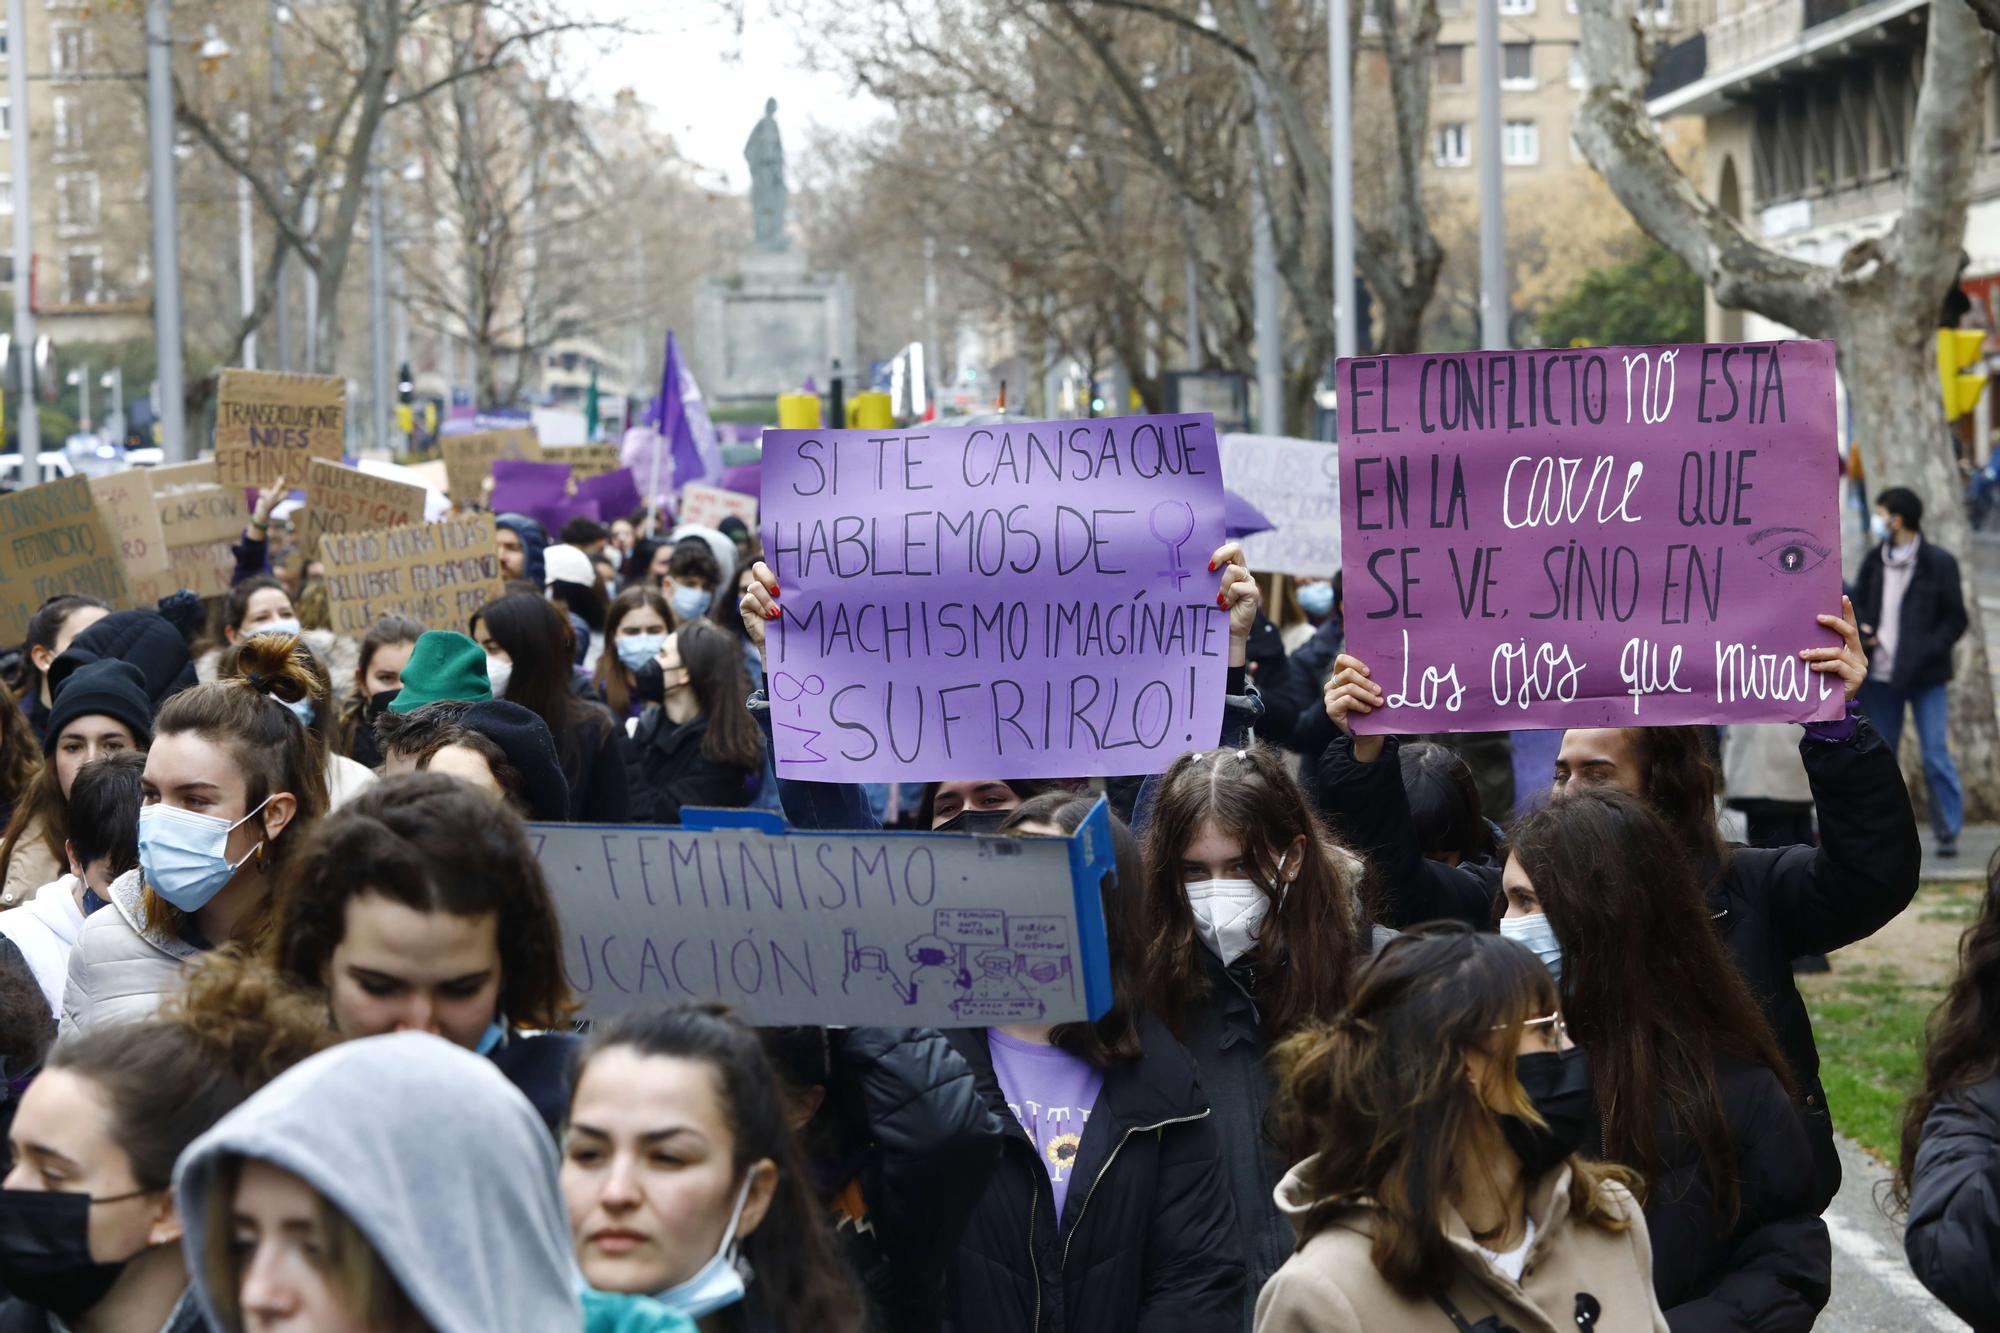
(1610, 536)
(1026, 600)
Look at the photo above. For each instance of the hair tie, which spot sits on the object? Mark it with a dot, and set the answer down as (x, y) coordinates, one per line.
(1243, 756)
(258, 682)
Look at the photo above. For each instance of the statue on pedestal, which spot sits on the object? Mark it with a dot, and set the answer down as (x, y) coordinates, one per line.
(765, 152)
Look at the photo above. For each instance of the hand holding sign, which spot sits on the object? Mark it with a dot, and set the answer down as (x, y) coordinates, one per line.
(1848, 661)
(1240, 596)
(759, 603)
(1350, 692)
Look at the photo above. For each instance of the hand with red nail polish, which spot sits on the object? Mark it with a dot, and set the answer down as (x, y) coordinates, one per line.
(758, 603)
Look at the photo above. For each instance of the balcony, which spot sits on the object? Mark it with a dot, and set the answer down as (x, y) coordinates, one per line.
(1745, 42)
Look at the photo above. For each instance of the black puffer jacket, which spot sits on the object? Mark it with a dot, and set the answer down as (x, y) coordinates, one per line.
(1771, 1272)
(1953, 1240)
(1771, 904)
(915, 1147)
(1147, 1240)
(666, 770)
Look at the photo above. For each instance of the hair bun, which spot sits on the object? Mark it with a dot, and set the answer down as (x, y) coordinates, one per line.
(269, 663)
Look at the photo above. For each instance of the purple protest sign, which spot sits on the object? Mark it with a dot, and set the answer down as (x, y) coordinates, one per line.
(615, 493)
(1027, 600)
(1663, 521)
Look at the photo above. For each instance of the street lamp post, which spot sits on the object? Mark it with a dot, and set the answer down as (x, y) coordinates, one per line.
(168, 398)
(114, 382)
(28, 426)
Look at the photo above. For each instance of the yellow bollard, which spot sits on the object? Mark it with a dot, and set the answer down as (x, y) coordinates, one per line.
(798, 411)
(871, 411)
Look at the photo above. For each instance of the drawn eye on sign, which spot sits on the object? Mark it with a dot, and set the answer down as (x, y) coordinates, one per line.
(1789, 550)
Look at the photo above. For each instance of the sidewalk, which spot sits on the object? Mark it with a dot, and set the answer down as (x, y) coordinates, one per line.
(1976, 846)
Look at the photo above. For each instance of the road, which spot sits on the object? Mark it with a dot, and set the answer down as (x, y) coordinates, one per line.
(1873, 1289)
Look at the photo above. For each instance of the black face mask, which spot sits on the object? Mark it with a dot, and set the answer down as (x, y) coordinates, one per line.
(974, 821)
(378, 704)
(45, 1251)
(1558, 1085)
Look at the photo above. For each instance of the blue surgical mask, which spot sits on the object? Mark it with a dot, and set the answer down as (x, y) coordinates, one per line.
(495, 1033)
(282, 625)
(1535, 932)
(1316, 599)
(635, 650)
(302, 710)
(1878, 527)
(722, 1280)
(184, 855)
(691, 603)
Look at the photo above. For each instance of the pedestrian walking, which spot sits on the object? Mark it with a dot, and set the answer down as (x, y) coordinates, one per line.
(1912, 612)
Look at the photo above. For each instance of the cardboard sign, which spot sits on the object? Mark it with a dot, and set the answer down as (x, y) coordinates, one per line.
(468, 459)
(344, 499)
(269, 423)
(125, 502)
(1591, 538)
(200, 524)
(709, 505)
(173, 476)
(1026, 600)
(585, 460)
(438, 574)
(860, 929)
(54, 541)
(1295, 484)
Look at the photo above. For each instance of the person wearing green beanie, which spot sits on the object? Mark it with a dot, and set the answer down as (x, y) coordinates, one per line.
(443, 665)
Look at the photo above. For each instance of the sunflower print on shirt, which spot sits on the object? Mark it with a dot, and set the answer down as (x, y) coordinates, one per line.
(1061, 1151)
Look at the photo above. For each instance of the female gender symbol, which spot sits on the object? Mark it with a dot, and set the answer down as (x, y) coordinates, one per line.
(1179, 519)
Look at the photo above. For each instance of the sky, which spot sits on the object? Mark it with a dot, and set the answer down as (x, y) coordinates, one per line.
(708, 82)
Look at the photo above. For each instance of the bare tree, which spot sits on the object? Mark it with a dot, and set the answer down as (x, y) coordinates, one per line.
(1879, 302)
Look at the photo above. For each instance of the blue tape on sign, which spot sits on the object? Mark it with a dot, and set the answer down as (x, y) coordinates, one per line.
(1092, 861)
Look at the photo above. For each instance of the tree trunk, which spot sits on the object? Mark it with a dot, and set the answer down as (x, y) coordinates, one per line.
(1899, 428)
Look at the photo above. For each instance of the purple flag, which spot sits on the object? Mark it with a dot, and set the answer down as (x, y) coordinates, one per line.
(686, 434)
(1664, 519)
(1030, 600)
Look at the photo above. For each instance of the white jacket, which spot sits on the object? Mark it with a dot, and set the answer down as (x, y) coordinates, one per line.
(117, 972)
(44, 929)
(345, 780)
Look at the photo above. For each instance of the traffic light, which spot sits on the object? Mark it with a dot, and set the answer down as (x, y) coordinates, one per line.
(1961, 369)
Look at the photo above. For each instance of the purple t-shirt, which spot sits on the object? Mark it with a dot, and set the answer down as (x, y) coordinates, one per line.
(1051, 1093)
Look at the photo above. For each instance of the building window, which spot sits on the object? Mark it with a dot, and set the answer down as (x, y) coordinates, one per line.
(1517, 65)
(83, 276)
(1452, 145)
(6, 118)
(1655, 13)
(68, 116)
(3, 41)
(1521, 143)
(1576, 76)
(1517, 7)
(69, 50)
(6, 194)
(1450, 67)
(77, 201)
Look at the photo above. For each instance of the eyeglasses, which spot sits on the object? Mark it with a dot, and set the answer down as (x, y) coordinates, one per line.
(1558, 1029)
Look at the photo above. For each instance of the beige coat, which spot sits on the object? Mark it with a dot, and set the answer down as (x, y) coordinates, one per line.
(30, 867)
(1330, 1285)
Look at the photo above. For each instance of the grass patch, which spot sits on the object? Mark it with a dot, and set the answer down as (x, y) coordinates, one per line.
(1870, 1027)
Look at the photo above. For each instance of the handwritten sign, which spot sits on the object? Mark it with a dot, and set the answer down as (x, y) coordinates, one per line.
(709, 505)
(173, 476)
(1295, 484)
(125, 502)
(199, 524)
(585, 460)
(1597, 537)
(438, 574)
(468, 459)
(860, 929)
(269, 423)
(1027, 600)
(344, 499)
(54, 541)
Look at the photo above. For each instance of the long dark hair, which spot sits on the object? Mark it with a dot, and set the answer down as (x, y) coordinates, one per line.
(1681, 780)
(539, 639)
(1310, 941)
(44, 628)
(1114, 1038)
(1381, 1095)
(384, 632)
(1445, 812)
(432, 844)
(800, 1280)
(614, 682)
(1962, 1037)
(1649, 989)
(20, 752)
(714, 661)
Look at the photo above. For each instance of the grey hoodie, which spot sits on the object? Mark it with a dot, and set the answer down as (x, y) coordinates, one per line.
(433, 1155)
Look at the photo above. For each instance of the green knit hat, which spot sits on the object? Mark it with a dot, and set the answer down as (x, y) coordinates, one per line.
(443, 665)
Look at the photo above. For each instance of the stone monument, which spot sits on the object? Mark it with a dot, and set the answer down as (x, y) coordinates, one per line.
(773, 323)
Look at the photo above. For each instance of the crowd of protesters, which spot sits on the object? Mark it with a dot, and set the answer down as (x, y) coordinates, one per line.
(287, 1041)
